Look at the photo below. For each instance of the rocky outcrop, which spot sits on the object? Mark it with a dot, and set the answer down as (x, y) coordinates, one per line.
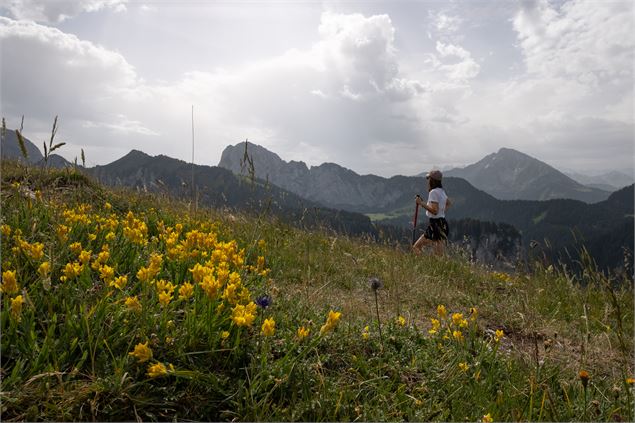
(328, 184)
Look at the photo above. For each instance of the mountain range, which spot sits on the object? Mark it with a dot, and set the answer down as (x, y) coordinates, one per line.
(608, 181)
(10, 149)
(254, 179)
(511, 175)
(558, 224)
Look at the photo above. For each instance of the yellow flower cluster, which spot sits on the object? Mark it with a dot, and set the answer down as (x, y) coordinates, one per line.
(33, 251)
(454, 325)
(71, 271)
(302, 332)
(244, 315)
(366, 333)
(101, 244)
(269, 327)
(9, 282)
(135, 229)
(16, 307)
(331, 321)
(141, 352)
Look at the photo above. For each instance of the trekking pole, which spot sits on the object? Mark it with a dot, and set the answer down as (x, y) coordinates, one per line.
(414, 223)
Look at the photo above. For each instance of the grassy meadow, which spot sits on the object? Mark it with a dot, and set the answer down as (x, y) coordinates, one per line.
(125, 306)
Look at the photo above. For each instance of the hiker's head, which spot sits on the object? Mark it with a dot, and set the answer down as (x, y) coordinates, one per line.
(434, 179)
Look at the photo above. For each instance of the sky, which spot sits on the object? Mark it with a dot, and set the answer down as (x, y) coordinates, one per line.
(380, 87)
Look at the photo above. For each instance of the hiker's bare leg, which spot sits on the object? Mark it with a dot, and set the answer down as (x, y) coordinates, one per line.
(439, 248)
(421, 242)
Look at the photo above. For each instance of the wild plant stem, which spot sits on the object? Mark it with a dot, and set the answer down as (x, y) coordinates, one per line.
(381, 338)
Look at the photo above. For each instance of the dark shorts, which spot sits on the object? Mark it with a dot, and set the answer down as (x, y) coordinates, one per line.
(437, 229)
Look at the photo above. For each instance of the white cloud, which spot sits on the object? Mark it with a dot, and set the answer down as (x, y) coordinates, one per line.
(54, 11)
(588, 41)
(446, 23)
(465, 68)
(345, 98)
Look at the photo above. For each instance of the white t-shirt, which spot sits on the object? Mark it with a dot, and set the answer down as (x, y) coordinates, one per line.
(438, 196)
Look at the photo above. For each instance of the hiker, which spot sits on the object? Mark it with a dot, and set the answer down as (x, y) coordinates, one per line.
(436, 234)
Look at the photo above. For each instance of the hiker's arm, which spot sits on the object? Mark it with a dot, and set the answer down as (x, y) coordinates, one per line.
(433, 207)
(448, 204)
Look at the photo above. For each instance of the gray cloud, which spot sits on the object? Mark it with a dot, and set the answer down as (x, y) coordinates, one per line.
(54, 11)
(347, 98)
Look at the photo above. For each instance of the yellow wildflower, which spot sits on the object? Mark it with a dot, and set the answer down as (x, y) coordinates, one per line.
(133, 304)
(487, 418)
(366, 333)
(92, 237)
(119, 282)
(84, 257)
(199, 272)
(302, 332)
(71, 271)
(211, 286)
(436, 325)
(5, 230)
(107, 206)
(244, 315)
(230, 294)
(262, 244)
(401, 321)
(16, 307)
(44, 269)
(186, 290)
(163, 285)
(630, 380)
(35, 251)
(473, 313)
(106, 273)
(165, 298)
(260, 263)
(9, 282)
(156, 370)
(110, 236)
(75, 247)
(224, 334)
(458, 335)
(102, 257)
(441, 311)
(156, 261)
(269, 327)
(62, 232)
(457, 318)
(142, 352)
(464, 366)
(331, 321)
(499, 335)
(144, 274)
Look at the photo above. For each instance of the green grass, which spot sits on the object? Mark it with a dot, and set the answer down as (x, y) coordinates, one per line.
(389, 215)
(65, 354)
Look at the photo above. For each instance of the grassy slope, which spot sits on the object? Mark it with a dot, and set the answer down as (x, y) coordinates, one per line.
(67, 358)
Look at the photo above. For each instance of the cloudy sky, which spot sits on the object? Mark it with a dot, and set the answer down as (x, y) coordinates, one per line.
(379, 87)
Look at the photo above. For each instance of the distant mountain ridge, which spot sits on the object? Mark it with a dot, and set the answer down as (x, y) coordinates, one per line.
(329, 184)
(609, 181)
(511, 175)
(220, 188)
(563, 222)
(10, 148)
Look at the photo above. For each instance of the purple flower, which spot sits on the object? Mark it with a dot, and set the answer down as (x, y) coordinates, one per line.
(263, 301)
